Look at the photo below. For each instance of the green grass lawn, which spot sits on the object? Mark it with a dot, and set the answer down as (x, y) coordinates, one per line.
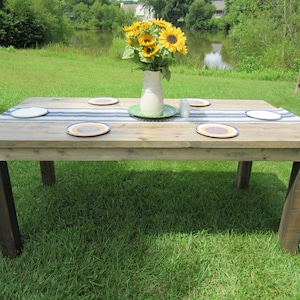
(144, 230)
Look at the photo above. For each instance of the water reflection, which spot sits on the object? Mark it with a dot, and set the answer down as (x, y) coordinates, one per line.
(208, 49)
(215, 61)
(92, 41)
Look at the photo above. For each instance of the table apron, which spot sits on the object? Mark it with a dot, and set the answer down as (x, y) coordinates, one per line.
(175, 154)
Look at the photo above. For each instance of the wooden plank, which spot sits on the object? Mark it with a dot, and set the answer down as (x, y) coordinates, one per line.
(113, 154)
(10, 238)
(243, 174)
(148, 135)
(289, 229)
(47, 172)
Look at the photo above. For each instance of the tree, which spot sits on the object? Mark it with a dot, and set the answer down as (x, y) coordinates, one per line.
(80, 15)
(267, 31)
(173, 11)
(97, 14)
(27, 23)
(157, 6)
(195, 13)
(70, 3)
(19, 26)
(200, 12)
(236, 10)
(57, 25)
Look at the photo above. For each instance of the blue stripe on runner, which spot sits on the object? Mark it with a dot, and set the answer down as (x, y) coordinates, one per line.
(121, 115)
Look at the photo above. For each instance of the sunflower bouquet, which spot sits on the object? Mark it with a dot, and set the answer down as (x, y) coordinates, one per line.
(153, 45)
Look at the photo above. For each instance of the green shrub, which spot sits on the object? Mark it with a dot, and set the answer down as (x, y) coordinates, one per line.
(117, 48)
(249, 64)
(20, 31)
(58, 28)
(26, 24)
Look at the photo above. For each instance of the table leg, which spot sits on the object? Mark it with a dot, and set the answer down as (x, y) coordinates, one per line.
(243, 174)
(10, 239)
(48, 172)
(289, 229)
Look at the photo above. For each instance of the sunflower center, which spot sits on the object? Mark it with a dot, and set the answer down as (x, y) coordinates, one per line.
(149, 50)
(172, 39)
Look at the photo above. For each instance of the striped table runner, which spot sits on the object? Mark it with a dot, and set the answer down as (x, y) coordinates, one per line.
(95, 114)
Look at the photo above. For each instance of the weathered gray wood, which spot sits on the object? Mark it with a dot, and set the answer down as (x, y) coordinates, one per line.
(10, 238)
(47, 172)
(156, 153)
(289, 229)
(243, 174)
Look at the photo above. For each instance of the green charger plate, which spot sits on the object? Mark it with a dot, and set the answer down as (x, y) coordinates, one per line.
(168, 112)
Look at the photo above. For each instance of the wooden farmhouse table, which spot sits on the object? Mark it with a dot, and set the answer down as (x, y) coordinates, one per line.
(45, 139)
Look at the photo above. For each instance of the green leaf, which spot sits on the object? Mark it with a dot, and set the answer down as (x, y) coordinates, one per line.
(128, 52)
(166, 73)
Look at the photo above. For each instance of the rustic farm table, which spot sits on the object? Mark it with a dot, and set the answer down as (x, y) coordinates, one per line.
(42, 136)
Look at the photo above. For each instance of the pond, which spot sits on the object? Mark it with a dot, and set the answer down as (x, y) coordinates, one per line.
(205, 48)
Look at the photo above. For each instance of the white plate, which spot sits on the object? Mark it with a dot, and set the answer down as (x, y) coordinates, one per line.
(263, 115)
(88, 129)
(29, 112)
(198, 102)
(215, 130)
(103, 101)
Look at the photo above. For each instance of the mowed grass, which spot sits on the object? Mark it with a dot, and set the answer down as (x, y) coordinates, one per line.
(144, 230)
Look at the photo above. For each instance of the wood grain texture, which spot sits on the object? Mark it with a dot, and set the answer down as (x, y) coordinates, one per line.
(35, 138)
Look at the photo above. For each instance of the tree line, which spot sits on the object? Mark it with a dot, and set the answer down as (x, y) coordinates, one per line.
(32, 23)
(264, 33)
(28, 23)
(189, 14)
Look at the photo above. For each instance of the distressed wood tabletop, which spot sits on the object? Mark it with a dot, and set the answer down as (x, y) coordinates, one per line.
(24, 139)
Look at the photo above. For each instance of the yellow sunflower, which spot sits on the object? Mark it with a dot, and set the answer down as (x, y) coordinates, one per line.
(132, 34)
(135, 26)
(132, 37)
(150, 51)
(153, 44)
(184, 50)
(144, 26)
(146, 40)
(131, 42)
(172, 38)
(162, 23)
